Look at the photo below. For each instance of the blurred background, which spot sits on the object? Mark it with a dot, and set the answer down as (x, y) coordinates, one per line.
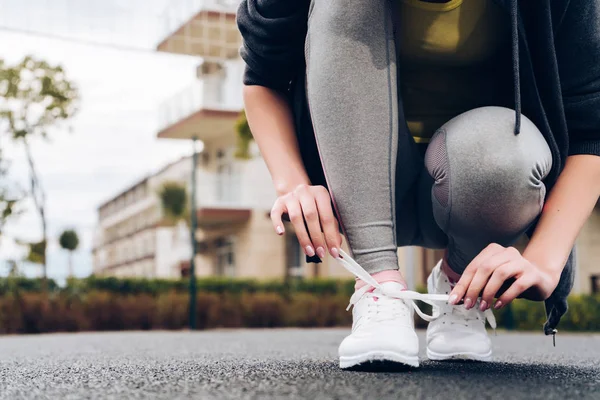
(122, 136)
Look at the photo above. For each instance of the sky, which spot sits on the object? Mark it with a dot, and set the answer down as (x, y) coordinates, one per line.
(111, 143)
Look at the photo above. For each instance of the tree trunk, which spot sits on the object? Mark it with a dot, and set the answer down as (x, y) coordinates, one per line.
(70, 264)
(39, 199)
(42, 213)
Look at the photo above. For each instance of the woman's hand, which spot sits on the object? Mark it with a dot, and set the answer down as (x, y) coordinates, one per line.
(489, 272)
(313, 205)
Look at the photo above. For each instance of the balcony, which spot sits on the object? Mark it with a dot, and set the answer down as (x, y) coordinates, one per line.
(219, 191)
(204, 28)
(227, 199)
(206, 109)
(220, 200)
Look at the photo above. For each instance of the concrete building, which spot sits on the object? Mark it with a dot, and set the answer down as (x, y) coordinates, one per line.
(133, 238)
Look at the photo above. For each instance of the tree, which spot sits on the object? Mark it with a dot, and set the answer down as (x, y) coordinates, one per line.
(13, 269)
(8, 198)
(244, 137)
(173, 198)
(69, 241)
(35, 97)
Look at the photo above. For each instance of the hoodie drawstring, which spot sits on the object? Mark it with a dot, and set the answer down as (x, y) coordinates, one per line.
(515, 57)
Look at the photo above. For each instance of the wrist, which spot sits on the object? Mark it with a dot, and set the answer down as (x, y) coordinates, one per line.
(545, 261)
(285, 186)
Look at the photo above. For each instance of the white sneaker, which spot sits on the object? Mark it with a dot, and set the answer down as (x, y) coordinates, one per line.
(457, 333)
(383, 324)
(382, 330)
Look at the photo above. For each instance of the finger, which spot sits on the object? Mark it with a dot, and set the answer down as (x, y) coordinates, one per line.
(496, 281)
(276, 213)
(311, 216)
(518, 287)
(329, 223)
(485, 269)
(297, 218)
(460, 289)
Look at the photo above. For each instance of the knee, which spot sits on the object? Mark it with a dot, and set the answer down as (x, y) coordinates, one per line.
(479, 163)
(480, 148)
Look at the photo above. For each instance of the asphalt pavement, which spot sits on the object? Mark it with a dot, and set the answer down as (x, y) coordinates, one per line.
(282, 364)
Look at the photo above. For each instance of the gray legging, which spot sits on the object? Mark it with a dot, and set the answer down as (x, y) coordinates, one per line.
(478, 184)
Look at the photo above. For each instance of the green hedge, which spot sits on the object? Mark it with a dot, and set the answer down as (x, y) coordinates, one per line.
(31, 312)
(155, 287)
(8, 285)
(112, 304)
(583, 315)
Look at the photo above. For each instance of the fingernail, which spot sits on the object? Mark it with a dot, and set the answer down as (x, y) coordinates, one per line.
(453, 299)
(321, 252)
(498, 305)
(309, 251)
(279, 230)
(468, 304)
(483, 305)
(335, 253)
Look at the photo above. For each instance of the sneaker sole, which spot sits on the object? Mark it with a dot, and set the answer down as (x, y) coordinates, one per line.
(459, 356)
(378, 356)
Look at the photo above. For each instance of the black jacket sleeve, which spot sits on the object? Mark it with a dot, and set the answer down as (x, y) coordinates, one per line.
(273, 33)
(578, 51)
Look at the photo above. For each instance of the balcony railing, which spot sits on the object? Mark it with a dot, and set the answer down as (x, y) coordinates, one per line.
(178, 12)
(220, 191)
(201, 95)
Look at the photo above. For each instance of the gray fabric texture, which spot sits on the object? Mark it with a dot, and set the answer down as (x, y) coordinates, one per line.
(356, 124)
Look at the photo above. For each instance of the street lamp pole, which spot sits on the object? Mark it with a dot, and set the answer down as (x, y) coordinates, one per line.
(193, 227)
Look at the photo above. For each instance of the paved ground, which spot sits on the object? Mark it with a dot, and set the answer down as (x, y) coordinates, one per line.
(282, 364)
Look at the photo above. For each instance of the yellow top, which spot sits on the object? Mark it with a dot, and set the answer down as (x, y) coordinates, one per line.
(448, 57)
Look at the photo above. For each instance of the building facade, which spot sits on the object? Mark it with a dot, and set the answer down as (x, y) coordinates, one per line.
(133, 237)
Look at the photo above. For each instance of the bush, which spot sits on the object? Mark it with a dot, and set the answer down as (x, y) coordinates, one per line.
(157, 287)
(172, 310)
(263, 310)
(307, 310)
(12, 284)
(105, 311)
(102, 304)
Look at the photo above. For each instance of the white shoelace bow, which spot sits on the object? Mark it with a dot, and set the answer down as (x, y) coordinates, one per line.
(407, 296)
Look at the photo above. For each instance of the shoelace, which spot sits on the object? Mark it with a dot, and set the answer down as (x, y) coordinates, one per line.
(407, 296)
(393, 310)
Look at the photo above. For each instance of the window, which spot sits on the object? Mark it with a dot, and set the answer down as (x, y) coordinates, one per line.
(294, 257)
(225, 262)
(595, 284)
(226, 177)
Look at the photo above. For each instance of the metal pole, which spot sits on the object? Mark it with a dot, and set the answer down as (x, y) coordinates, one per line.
(193, 226)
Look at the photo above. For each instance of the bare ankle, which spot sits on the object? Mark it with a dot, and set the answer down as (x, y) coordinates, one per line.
(392, 275)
